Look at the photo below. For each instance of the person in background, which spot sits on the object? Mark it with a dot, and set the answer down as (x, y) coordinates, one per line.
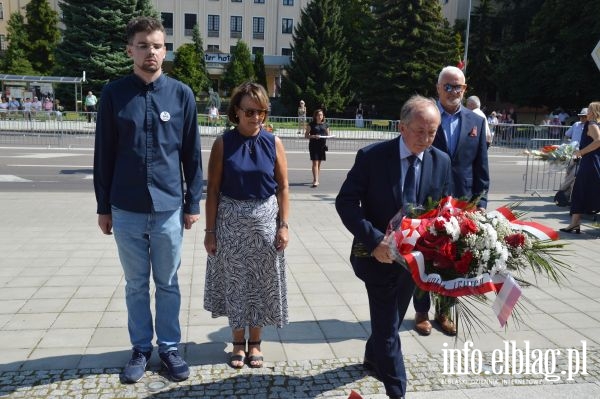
(247, 211)
(376, 187)
(301, 117)
(213, 115)
(27, 109)
(13, 107)
(36, 106)
(48, 106)
(574, 132)
(147, 146)
(474, 104)
(358, 116)
(90, 106)
(3, 108)
(462, 135)
(585, 198)
(316, 131)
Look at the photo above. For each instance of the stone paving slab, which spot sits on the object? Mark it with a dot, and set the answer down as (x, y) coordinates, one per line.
(63, 327)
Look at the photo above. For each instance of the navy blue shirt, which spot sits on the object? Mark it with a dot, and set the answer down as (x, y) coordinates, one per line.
(248, 165)
(147, 144)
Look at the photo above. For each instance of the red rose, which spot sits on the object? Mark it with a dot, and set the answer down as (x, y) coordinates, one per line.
(438, 225)
(468, 226)
(438, 249)
(515, 240)
(462, 265)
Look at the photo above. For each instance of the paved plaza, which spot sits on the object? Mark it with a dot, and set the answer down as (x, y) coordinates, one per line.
(63, 321)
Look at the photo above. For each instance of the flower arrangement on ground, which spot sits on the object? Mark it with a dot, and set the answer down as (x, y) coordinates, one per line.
(458, 252)
(557, 155)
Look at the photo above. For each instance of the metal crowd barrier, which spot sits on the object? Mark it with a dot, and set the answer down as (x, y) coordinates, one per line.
(72, 129)
(540, 175)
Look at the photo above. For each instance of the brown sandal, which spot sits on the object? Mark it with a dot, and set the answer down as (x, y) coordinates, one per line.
(257, 359)
(237, 358)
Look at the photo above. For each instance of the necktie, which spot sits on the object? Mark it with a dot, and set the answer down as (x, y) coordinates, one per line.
(409, 190)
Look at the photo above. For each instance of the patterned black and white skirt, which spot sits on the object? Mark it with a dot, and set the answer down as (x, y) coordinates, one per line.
(246, 278)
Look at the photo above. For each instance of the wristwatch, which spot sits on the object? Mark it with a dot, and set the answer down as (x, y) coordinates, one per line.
(284, 224)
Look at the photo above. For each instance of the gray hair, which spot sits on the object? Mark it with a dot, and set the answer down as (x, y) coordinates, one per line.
(475, 100)
(449, 69)
(409, 107)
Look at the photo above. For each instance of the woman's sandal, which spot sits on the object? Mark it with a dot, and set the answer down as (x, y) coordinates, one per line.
(237, 358)
(256, 359)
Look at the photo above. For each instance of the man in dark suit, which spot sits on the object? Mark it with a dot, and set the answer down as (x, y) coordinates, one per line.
(376, 188)
(462, 136)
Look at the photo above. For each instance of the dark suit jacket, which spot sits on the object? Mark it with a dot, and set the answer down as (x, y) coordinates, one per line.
(470, 173)
(372, 194)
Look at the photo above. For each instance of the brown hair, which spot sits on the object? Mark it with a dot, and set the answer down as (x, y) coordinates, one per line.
(253, 90)
(316, 112)
(142, 24)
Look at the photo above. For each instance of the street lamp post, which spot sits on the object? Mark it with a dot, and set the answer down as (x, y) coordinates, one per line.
(467, 39)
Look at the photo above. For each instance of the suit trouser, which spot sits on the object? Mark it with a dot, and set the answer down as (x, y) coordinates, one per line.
(389, 288)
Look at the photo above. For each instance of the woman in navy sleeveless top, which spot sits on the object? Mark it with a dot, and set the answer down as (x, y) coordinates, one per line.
(585, 197)
(247, 205)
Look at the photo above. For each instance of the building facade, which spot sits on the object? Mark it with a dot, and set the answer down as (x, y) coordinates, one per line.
(266, 26)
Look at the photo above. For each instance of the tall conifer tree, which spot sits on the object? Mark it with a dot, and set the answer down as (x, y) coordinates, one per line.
(94, 39)
(411, 42)
(42, 34)
(240, 69)
(259, 69)
(319, 69)
(15, 60)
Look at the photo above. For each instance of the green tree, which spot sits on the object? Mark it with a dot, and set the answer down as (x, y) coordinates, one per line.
(95, 47)
(553, 66)
(239, 69)
(42, 35)
(411, 42)
(319, 69)
(204, 80)
(15, 60)
(259, 69)
(145, 8)
(186, 68)
(357, 21)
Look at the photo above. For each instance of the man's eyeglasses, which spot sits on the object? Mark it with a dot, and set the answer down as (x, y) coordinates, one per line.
(146, 46)
(448, 88)
(251, 112)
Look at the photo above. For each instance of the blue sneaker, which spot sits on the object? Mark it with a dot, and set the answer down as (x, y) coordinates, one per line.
(134, 370)
(174, 363)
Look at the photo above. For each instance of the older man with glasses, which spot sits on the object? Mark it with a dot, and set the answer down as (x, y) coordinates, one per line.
(462, 135)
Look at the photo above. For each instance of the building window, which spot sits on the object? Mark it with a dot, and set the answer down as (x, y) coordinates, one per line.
(189, 21)
(256, 50)
(213, 25)
(3, 43)
(236, 1)
(259, 1)
(235, 26)
(167, 21)
(287, 25)
(258, 28)
(212, 48)
(169, 46)
(1, 11)
(288, 2)
(286, 51)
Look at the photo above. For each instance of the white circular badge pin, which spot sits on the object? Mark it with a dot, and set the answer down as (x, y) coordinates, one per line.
(165, 116)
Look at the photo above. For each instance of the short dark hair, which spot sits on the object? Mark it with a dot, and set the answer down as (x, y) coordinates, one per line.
(142, 24)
